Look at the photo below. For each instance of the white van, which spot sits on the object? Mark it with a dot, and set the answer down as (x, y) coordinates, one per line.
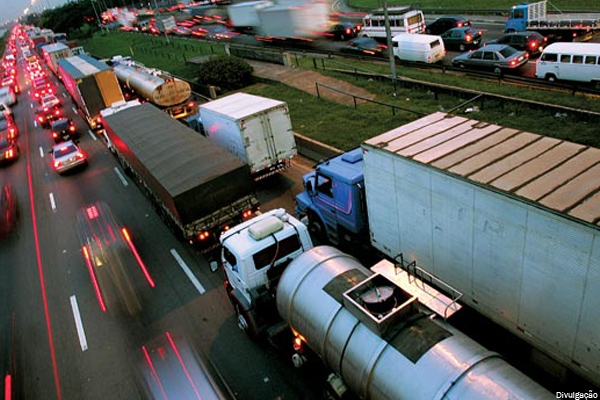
(418, 47)
(570, 61)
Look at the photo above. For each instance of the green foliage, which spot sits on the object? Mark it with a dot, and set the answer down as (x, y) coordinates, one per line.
(226, 72)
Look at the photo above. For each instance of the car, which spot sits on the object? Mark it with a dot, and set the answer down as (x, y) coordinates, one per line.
(463, 39)
(181, 31)
(531, 42)
(8, 209)
(364, 46)
(49, 100)
(117, 269)
(497, 57)
(443, 24)
(343, 31)
(9, 150)
(63, 129)
(66, 156)
(46, 115)
(199, 32)
(8, 128)
(7, 95)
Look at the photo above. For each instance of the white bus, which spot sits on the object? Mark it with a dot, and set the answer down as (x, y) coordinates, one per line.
(402, 20)
(570, 61)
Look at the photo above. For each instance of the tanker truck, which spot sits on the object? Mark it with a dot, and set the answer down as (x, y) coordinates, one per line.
(379, 331)
(508, 218)
(172, 95)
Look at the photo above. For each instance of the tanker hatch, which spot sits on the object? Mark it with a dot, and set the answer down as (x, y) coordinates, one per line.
(380, 304)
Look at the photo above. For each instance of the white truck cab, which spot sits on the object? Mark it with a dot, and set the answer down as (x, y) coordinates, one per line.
(254, 255)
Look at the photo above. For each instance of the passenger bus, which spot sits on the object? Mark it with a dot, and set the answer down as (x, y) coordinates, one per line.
(402, 20)
(570, 61)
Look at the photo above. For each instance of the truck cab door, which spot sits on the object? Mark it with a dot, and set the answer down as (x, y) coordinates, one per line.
(325, 200)
(234, 272)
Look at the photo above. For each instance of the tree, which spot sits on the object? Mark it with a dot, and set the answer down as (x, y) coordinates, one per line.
(226, 72)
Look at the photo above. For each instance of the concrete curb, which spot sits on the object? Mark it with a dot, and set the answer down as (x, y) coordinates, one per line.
(313, 149)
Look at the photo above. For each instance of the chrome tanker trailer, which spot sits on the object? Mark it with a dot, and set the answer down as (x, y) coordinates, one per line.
(382, 332)
(382, 342)
(158, 87)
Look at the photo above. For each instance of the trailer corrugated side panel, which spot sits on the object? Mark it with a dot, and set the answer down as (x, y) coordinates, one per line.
(192, 176)
(71, 84)
(508, 218)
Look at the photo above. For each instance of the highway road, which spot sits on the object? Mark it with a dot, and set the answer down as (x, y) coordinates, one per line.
(57, 343)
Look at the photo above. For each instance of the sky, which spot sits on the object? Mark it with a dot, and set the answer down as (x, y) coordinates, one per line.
(12, 9)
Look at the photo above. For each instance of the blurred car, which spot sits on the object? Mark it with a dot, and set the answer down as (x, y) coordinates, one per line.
(117, 271)
(63, 129)
(199, 32)
(531, 42)
(497, 57)
(7, 95)
(46, 115)
(343, 30)
(8, 209)
(364, 46)
(5, 109)
(49, 100)
(461, 38)
(66, 156)
(10, 81)
(443, 24)
(181, 31)
(221, 32)
(9, 150)
(8, 128)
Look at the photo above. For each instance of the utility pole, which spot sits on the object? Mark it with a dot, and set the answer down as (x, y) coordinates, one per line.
(388, 34)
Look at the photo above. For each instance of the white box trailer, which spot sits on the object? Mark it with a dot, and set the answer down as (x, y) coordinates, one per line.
(243, 15)
(294, 20)
(509, 218)
(256, 129)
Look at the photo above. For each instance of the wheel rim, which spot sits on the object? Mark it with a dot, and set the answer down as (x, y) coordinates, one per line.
(241, 320)
(497, 71)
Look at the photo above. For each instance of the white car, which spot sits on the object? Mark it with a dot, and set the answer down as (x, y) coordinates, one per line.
(67, 155)
(50, 100)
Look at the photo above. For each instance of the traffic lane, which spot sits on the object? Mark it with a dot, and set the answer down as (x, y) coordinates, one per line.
(280, 190)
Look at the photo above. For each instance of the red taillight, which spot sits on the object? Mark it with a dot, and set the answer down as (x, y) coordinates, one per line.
(297, 344)
(40, 119)
(98, 119)
(459, 25)
(203, 236)
(348, 31)
(9, 154)
(513, 62)
(54, 135)
(80, 156)
(247, 214)
(57, 112)
(358, 27)
(468, 38)
(56, 164)
(533, 45)
(72, 128)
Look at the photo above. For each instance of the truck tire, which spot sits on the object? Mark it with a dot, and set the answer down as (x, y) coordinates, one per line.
(316, 227)
(245, 320)
(550, 77)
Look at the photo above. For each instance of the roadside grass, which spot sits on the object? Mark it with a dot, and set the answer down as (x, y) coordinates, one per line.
(429, 5)
(344, 126)
(153, 51)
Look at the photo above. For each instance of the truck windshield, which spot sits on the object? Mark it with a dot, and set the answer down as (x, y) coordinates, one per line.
(276, 251)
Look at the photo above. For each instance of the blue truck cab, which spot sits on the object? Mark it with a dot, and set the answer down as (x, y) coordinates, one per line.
(334, 199)
(517, 19)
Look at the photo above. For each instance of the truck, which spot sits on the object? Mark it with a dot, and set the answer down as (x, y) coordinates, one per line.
(54, 52)
(172, 95)
(198, 188)
(380, 333)
(92, 85)
(557, 27)
(256, 129)
(292, 19)
(508, 218)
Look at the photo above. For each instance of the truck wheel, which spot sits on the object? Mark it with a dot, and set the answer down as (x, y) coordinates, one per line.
(245, 321)
(316, 227)
(551, 78)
